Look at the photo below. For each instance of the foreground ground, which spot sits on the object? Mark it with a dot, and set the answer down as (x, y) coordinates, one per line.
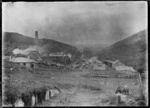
(80, 87)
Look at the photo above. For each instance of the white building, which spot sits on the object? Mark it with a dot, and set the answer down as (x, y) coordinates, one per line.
(23, 61)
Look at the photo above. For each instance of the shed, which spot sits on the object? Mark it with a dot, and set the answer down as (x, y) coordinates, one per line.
(124, 68)
(113, 64)
(108, 63)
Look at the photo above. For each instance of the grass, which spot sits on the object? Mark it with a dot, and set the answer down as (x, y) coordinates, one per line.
(27, 81)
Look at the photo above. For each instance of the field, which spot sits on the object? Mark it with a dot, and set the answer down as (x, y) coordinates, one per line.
(78, 88)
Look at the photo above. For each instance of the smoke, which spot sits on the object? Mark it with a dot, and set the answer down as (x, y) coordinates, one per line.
(77, 23)
(26, 51)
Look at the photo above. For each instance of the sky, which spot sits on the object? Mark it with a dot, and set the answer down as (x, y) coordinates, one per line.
(76, 23)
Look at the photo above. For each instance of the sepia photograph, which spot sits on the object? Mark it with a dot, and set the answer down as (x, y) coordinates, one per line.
(75, 53)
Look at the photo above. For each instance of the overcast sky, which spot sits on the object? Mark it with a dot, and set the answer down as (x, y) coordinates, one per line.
(76, 23)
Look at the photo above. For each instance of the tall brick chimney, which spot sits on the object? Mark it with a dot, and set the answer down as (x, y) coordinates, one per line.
(36, 37)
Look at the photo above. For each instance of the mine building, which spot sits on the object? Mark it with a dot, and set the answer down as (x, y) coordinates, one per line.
(23, 61)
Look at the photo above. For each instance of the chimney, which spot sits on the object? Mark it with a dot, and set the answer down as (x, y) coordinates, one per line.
(36, 37)
(36, 34)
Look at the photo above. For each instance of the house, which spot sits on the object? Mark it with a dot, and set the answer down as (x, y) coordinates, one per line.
(23, 61)
(108, 63)
(113, 64)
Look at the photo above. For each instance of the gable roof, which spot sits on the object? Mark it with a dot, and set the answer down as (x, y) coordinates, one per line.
(108, 61)
(113, 62)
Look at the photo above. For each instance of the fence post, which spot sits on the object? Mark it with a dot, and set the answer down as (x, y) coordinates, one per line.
(119, 99)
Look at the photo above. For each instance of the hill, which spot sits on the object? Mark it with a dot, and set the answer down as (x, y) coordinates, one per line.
(131, 50)
(15, 40)
(89, 51)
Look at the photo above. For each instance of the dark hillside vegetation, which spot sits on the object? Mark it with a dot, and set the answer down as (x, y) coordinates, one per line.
(15, 40)
(131, 51)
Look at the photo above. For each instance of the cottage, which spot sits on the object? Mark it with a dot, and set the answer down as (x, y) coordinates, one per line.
(24, 62)
(108, 63)
(113, 64)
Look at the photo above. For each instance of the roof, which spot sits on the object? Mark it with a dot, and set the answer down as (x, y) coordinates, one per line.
(22, 60)
(98, 61)
(113, 62)
(124, 68)
(93, 58)
(56, 54)
(116, 61)
(109, 61)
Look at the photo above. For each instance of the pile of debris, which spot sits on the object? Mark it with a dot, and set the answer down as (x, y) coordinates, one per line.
(92, 63)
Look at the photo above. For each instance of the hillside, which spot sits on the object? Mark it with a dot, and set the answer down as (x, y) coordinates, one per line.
(89, 51)
(15, 40)
(131, 51)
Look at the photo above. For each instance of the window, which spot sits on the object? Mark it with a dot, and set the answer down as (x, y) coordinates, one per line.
(24, 64)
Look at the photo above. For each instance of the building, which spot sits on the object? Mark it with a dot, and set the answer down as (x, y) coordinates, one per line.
(60, 57)
(108, 63)
(59, 54)
(23, 62)
(5, 57)
(35, 55)
(124, 69)
(113, 64)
